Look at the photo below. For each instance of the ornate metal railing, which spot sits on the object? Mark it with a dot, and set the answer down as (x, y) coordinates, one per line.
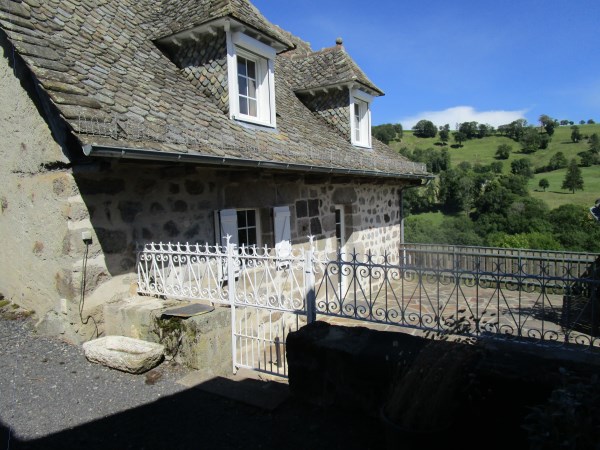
(550, 298)
(547, 297)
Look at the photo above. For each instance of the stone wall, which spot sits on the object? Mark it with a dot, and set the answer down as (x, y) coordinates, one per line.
(333, 106)
(204, 64)
(34, 199)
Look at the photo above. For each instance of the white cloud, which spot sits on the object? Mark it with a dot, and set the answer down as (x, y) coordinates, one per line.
(459, 114)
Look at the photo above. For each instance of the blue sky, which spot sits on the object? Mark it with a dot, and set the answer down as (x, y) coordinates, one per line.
(482, 60)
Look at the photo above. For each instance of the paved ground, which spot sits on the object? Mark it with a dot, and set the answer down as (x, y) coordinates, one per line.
(51, 398)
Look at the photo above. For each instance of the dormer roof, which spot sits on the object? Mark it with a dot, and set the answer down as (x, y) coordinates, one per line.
(327, 68)
(174, 17)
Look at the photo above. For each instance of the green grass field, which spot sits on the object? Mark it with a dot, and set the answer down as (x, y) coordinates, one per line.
(482, 151)
(555, 196)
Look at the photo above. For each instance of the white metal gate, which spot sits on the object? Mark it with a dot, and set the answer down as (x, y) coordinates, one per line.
(269, 301)
(266, 289)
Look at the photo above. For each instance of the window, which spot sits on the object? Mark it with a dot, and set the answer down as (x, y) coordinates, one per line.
(247, 229)
(250, 68)
(242, 227)
(339, 228)
(248, 100)
(360, 119)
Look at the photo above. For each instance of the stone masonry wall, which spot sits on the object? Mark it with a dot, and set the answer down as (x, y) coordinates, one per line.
(204, 64)
(333, 106)
(125, 204)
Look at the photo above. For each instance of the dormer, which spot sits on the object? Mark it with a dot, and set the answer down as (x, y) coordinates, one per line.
(231, 59)
(333, 87)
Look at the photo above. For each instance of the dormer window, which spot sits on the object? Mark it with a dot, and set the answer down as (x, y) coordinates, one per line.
(251, 80)
(360, 120)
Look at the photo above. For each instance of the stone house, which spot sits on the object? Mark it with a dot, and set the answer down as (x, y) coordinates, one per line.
(126, 122)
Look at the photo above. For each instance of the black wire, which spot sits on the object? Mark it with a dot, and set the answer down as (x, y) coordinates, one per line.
(82, 288)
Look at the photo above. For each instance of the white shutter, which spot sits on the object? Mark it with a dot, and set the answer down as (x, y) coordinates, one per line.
(283, 236)
(228, 226)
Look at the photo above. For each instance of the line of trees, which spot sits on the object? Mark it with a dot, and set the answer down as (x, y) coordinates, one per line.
(485, 207)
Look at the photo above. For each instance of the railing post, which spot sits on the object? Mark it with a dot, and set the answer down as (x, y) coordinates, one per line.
(309, 287)
(230, 261)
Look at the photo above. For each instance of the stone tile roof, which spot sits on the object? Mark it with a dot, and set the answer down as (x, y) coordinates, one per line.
(170, 17)
(98, 64)
(328, 67)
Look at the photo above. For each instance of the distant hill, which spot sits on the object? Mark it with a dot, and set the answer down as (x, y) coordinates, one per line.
(483, 151)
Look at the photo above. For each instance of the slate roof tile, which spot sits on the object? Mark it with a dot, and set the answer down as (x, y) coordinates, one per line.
(113, 86)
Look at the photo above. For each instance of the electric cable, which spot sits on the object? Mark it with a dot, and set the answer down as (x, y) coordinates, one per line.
(82, 289)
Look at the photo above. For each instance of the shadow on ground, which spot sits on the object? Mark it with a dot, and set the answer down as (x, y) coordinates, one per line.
(196, 419)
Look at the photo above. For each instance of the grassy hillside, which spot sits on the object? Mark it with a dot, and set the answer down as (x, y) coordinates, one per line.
(555, 196)
(483, 150)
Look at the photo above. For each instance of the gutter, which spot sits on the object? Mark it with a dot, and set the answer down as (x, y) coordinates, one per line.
(154, 155)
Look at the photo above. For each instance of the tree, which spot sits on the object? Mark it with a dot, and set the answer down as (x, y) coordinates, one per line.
(591, 121)
(557, 161)
(470, 129)
(456, 190)
(544, 140)
(522, 167)
(425, 129)
(496, 167)
(544, 184)
(484, 130)
(573, 179)
(503, 151)
(594, 143)
(460, 137)
(387, 132)
(564, 122)
(589, 158)
(548, 123)
(530, 140)
(582, 122)
(575, 133)
(444, 135)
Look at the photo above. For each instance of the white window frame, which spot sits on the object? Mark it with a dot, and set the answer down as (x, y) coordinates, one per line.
(240, 44)
(362, 100)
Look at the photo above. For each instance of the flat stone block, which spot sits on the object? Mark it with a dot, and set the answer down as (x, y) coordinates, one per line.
(124, 353)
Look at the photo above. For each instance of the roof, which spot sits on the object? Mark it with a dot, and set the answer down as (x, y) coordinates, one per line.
(99, 65)
(328, 67)
(171, 17)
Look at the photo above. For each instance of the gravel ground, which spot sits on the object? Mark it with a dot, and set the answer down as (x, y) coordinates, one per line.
(52, 398)
(47, 385)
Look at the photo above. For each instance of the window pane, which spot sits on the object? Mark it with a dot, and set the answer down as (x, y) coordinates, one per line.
(243, 85)
(252, 236)
(242, 238)
(251, 69)
(241, 218)
(253, 108)
(251, 215)
(242, 66)
(243, 105)
(251, 88)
